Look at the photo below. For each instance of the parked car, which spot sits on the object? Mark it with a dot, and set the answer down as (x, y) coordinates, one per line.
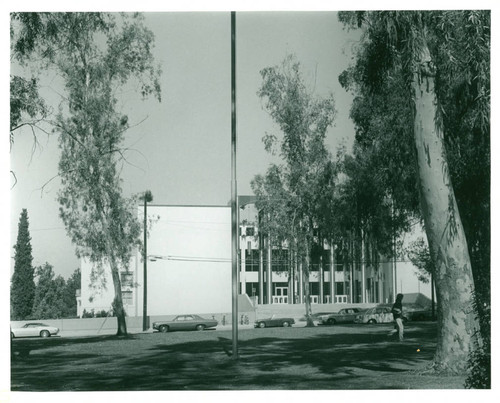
(419, 314)
(34, 330)
(185, 322)
(378, 314)
(345, 315)
(274, 322)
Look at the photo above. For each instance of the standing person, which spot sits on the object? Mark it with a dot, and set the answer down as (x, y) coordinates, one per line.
(397, 313)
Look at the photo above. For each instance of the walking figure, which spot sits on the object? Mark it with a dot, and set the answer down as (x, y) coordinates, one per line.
(397, 313)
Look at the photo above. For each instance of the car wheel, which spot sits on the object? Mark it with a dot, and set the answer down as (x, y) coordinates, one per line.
(44, 333)
(164, 329)
(262, 325)
(372, 321)
(331, 321)
(200, 327)
(286, 324)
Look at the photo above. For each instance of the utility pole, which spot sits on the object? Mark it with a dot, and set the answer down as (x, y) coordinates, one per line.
(234, 193)
(148, 197)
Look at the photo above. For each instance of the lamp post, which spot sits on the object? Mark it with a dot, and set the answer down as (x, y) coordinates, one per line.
(147, 197)
(234, 193)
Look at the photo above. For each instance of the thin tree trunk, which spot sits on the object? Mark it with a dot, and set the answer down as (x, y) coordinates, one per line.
(307, 292)
(454, 282)
(118, 301)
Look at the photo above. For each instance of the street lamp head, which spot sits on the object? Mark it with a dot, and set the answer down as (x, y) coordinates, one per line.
(147, 196)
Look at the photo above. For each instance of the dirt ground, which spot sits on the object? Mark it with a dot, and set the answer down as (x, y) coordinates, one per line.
(350, 357)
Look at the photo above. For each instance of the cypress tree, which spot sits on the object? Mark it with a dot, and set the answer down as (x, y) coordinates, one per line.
(22, 291)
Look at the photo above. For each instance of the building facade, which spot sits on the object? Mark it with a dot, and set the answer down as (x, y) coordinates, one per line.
(189, 268)
(271, 275)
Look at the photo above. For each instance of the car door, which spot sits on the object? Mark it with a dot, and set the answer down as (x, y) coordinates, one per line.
(386, 315)
(177, 323)
(28, 330)
(185, 322)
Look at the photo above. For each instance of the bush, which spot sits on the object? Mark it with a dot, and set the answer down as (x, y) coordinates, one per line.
(479, 362)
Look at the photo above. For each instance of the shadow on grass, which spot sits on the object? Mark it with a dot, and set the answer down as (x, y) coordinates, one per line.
(299, 358)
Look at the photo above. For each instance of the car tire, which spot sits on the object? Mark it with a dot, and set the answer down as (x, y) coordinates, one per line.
(286, 324)
(200, 327)
(372, 321)
(331, 321)
(262, 325)
(163, 329)
(44, 333)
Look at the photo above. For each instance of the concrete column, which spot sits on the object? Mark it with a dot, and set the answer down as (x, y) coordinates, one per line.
(363, 268)
(301, 284)
(261, 272)
(321, 278)
(291, 277)
(269, 273)
(243, 254)
(332, 272)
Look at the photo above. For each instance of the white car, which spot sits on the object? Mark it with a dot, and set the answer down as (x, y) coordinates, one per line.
(34, 330)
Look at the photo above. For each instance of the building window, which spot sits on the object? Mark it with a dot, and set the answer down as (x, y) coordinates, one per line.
(252, 289)
(279, 260)
(250, 231)
(127, 297)
(251, 260)
(127, 279)
(339, 288)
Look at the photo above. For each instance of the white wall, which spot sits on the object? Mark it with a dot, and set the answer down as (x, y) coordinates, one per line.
(97, 296)
(192, 269)
(193, 274)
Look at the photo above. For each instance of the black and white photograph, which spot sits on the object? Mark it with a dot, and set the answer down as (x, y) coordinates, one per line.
(222, 199)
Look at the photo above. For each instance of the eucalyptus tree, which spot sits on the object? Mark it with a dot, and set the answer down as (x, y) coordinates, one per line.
(288, 195)
(96, 54)
(424, 59)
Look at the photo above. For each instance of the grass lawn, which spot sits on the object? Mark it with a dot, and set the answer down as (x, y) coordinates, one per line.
(319, 358)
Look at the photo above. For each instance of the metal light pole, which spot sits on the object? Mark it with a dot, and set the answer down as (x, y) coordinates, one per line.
(148, 197)
(234, 193)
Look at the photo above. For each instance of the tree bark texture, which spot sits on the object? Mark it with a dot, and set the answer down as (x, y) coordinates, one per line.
(307, 289)
(457, 322)
(118, 302)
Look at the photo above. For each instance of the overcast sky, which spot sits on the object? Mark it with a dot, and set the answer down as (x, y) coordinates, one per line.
(180, 148)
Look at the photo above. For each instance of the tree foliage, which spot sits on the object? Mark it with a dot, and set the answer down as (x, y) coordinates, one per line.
(95, 54)
(55, 298)
(290, 195)
(49, 294)
(22, 291)
(383, 111)
(419, 255)
(451, 49)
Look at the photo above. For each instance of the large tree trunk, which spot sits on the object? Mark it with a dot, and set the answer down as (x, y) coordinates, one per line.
(454, 282)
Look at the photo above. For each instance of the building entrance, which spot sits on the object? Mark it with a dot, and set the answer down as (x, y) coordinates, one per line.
(280, 295)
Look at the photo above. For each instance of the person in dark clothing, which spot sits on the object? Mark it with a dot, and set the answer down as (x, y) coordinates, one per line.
(397, 313)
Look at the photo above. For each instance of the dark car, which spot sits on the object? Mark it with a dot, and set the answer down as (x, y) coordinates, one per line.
(185, 322)
(345, 315)
(419, 314)
(274, 322)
